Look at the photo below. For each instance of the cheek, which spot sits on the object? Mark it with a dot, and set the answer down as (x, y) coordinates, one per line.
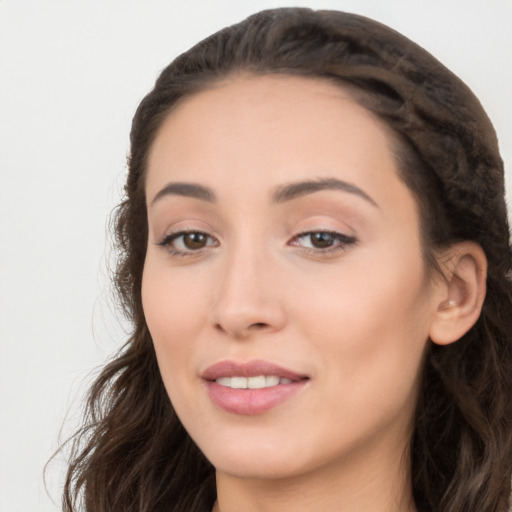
(370, 367)
(170, 313)
(370, 323)
(171, 300)
(173, 314)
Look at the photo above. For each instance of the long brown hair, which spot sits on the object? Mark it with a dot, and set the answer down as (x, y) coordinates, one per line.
(133, 454)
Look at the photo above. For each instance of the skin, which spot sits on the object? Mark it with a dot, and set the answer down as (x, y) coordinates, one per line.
(355, 318)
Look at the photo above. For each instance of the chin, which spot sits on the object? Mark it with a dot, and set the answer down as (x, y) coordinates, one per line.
(244, 454)
(262, 461)
(259, 468)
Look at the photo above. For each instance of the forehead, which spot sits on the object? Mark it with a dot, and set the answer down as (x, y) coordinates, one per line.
(255, 121)
(299, 96)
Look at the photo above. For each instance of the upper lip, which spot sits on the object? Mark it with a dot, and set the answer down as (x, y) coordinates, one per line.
(252, 368)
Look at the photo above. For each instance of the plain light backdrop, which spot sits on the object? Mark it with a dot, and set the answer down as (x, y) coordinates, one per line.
(71, 75)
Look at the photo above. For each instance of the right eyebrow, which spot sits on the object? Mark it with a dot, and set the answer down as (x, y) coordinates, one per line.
(302, 188)
(186, 190)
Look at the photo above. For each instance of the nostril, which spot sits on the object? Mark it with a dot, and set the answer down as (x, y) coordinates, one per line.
(259, 325)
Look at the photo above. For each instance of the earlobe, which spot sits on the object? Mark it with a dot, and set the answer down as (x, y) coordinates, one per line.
(462, 293)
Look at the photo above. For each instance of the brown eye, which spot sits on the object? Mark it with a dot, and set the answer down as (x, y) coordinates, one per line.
(194, 241)
(188, 242)
(322, 240)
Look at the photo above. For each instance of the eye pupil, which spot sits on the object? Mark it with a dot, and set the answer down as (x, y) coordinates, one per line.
(194, 240)
(322, 240)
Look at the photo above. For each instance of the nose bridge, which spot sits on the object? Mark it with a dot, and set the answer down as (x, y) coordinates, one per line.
(247, 298)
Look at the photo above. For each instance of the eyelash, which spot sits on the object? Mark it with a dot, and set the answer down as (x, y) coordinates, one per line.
(341, 242)
(168, 240)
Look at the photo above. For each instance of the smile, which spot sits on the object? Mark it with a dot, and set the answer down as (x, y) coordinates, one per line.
(258, 382)
(252, 387)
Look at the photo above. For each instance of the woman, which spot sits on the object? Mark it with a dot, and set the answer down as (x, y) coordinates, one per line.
(315, 257)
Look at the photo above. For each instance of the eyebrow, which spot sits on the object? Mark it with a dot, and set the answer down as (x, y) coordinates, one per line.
(186, 190)
(282, 194)
(302, 188)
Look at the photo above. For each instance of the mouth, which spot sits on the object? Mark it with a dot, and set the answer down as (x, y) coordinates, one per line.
(251, 388)
(258, 382)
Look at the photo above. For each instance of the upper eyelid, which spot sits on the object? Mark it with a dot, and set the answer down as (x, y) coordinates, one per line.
(321, 230)
(333, 222)
(336, 234)
(181, 232)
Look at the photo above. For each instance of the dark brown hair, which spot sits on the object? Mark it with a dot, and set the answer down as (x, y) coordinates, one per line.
(133, 454)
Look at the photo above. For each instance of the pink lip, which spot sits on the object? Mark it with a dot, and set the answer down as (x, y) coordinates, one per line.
(249, 369)
(250, 401)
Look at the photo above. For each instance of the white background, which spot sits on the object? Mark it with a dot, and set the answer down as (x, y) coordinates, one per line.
(71, 76)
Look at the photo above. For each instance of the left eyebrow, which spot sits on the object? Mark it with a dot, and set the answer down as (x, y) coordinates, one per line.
(298, 189)
(186, 190)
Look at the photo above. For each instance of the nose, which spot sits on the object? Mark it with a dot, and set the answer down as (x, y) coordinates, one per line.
(249, 298)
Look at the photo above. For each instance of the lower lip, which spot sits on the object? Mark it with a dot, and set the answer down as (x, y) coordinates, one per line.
(252, 401)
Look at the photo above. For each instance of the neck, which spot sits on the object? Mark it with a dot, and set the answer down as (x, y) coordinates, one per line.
(354, 487)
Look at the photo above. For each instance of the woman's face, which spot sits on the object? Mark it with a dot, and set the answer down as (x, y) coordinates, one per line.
(284, 285)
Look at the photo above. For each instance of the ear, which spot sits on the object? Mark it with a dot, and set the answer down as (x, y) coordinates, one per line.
(461, 292)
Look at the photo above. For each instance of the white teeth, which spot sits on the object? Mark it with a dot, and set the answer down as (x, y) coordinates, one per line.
(239, 382)
(258, 382)
(271, 380)
(224, 381)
